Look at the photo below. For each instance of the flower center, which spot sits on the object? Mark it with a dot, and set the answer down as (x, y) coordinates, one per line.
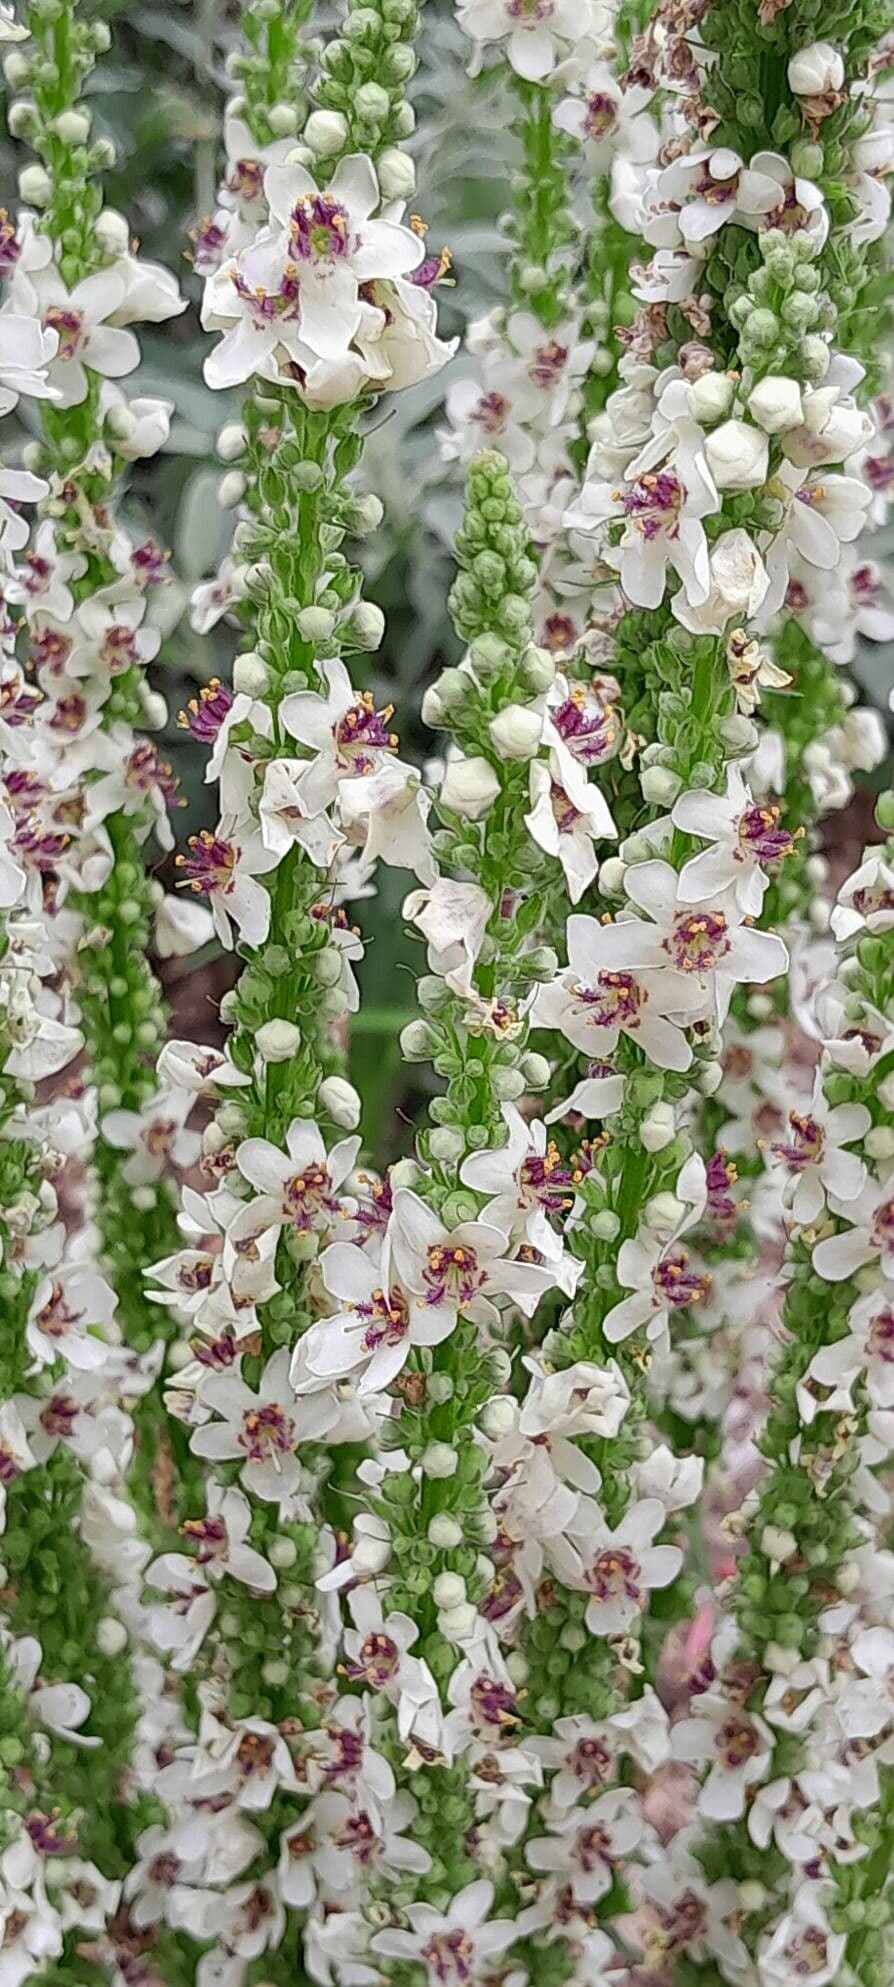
(254, 1754)
(698, 942)
(592, 1762)
(720, 1175)
(491, 413)
(266, 306)
(451, 1275)
(59, 1415)
(548, 363)
(318, 229)
(592, 1847)
(145, 772)
(585, 727)
(347, 1753)
(119, 650)
(211, 865)
(57, 1318)
(209, 1536)
(542, 1178)
(389, 1318)
(70, 327)
(615, 1575)
(761, 837)
(558, 633)
(565, 814)
(614, 1002)
(306, 1195)
(653, 504)
(362, 732)
(449, 1958)
(267, 1432)
(676, 1285)
(493, 1707)
(883, 1227)
(805, 1145)
(716, 192)
(358, 1836)
(736, 1742)
(808, 1954)
(881, 1336)
(246, 179)
(205, 714)
(378, 1662)
(600, 116)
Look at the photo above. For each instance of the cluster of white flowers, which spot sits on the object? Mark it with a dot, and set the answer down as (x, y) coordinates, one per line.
(72, 1561)
(425, 1678)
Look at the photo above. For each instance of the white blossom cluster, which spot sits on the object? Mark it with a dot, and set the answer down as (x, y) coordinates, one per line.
(453, 1659)
(68, 1376)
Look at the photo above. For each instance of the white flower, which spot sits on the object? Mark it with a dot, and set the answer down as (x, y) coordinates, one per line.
(453, 918)
(223, 871)
(346, 734)
(593, 1004)
(560, 826)
(87, 342)
(180, 1626)
(618, 1567)
(736, 1745)
(582, 1399)
(539, 31)
(865, 900)
(190, 1066)
(155, 1136)
(40, 583)
(26, 353)
(483, 415)
(10, 28)
(813, 70)
(69, 1319)
(869, 1236)
(293, 292)
(706, 943)
(298, 1188)
(385, 814)
(704, 191)
(453, 1947)
(833, 425)
(608, 120)
(377, 1655)
(745, 840)
(868, 1348)
(60, 1707)
(812, 1150)
(658, 1271)
(17, 486)
(587, 1842)
(285, 818)
(457, 1272)
(739, 582)
(528, 1183)
(262, 1429)
(377, 1324)
(803, 1944)
(661, 512)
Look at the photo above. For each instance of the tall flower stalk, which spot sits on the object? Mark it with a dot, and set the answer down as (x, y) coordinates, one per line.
(86, 591)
